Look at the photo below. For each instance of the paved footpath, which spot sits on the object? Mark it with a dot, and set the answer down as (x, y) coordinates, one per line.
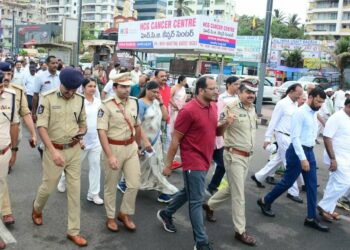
(285, 231)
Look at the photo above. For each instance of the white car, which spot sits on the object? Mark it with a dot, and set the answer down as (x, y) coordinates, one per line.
(281, 90)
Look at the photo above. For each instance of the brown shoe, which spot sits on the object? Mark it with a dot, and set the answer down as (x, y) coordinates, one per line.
(126, 220)
(325, 215)
(112, 225)
(78, 240)
(8, 219)
(2, 244)
(209, 214)
(37, 218)
(246, 238)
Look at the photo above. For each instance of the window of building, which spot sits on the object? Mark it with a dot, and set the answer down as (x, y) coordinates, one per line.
(170, 3)
(170, 12)
(199, 12)
(218, 12)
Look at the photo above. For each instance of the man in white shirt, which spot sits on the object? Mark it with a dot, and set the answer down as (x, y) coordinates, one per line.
(29, 81)
(336, 138)
(326, 110)
(280, 126)
(339, 99)
(114, 71)
(135, 74)
(18, 74)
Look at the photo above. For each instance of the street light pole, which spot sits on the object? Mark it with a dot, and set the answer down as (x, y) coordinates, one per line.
(13, 34)
(264, 56)
(79, 30)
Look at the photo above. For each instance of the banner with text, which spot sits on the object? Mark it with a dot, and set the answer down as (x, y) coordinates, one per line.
(183, 33)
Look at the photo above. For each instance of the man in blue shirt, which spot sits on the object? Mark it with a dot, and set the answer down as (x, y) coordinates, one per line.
(301, 159)
(137, 88)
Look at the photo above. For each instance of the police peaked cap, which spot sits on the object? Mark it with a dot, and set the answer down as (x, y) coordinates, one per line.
(5, 66)
(71, 78)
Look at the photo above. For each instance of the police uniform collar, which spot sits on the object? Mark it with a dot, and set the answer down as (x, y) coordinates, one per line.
(241, 105)
(59, 94)
(120, 101)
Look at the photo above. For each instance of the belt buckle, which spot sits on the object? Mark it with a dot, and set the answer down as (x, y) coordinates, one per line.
(66, 146)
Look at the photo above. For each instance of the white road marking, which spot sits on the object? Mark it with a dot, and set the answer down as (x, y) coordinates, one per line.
(5, 234)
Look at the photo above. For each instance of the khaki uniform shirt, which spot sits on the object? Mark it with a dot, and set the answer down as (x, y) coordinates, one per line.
(61, 117)
(21, 100)
(111, 119)
(7, 110)
(241, 133)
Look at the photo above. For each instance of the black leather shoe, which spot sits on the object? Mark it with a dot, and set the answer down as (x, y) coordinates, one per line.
(258, 183)
(209, 214)
(265, 208)
(314, 223)
(270, 180)
(295, 198)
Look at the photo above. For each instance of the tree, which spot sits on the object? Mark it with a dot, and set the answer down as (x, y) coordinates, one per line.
(295, 58)
(278, 16)
(278, 29)
(182, 9)
(342, 45)
(293, 20)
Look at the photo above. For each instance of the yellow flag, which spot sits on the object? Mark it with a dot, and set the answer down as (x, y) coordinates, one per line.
(254, 23)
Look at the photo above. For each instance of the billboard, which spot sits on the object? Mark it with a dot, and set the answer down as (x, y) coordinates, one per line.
(248, 48)
(27, 35)
(183, 33)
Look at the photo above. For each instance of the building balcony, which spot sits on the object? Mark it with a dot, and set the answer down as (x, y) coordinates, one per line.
(322, 21)
(89, 2)
(52, 3)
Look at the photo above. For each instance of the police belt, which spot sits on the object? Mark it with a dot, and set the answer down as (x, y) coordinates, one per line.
(125, 143)
(3, 151)
(238, 152)
(65, 146)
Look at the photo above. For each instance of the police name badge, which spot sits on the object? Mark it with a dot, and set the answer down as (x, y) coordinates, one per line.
(100, 113)
(41, 109)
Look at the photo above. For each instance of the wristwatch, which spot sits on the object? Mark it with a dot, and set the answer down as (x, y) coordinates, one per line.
(14, 149)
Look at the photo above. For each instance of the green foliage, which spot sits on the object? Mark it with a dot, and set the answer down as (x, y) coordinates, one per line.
(342, 45)
(293, 21)
(42, 50)
(279, 28)
(23, 52)
(295, 58)
(182, 9)
(87, 32)
(86, 58)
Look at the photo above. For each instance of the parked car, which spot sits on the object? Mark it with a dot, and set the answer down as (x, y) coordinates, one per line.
(320, 80)
(281, 90)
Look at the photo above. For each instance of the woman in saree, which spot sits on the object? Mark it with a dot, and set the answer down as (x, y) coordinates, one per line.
(151, 113)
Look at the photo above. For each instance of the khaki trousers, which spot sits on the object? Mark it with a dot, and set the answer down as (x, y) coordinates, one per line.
(51, 176)
(6, 204)
(236, 171)
(4, 167)
(129, 165)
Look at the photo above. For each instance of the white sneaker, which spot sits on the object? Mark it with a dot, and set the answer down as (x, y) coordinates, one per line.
(95, 199)
(61, 187)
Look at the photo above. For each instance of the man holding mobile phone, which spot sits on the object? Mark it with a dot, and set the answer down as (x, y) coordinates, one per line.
(61, 124)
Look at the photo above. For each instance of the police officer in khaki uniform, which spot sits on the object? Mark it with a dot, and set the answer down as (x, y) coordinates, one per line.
(8, 135)
(119, 133)
(239, 140)
(61, 125)
(23, 112)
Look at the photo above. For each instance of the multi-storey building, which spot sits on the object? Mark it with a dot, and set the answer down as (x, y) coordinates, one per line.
(23, 11)
(223, 9)
(328, 18)
(150, 9)
(97, 15)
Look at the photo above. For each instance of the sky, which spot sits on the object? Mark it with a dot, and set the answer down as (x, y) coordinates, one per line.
(258, 7)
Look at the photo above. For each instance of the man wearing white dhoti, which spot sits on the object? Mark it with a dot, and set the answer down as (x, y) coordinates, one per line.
(336, 138)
